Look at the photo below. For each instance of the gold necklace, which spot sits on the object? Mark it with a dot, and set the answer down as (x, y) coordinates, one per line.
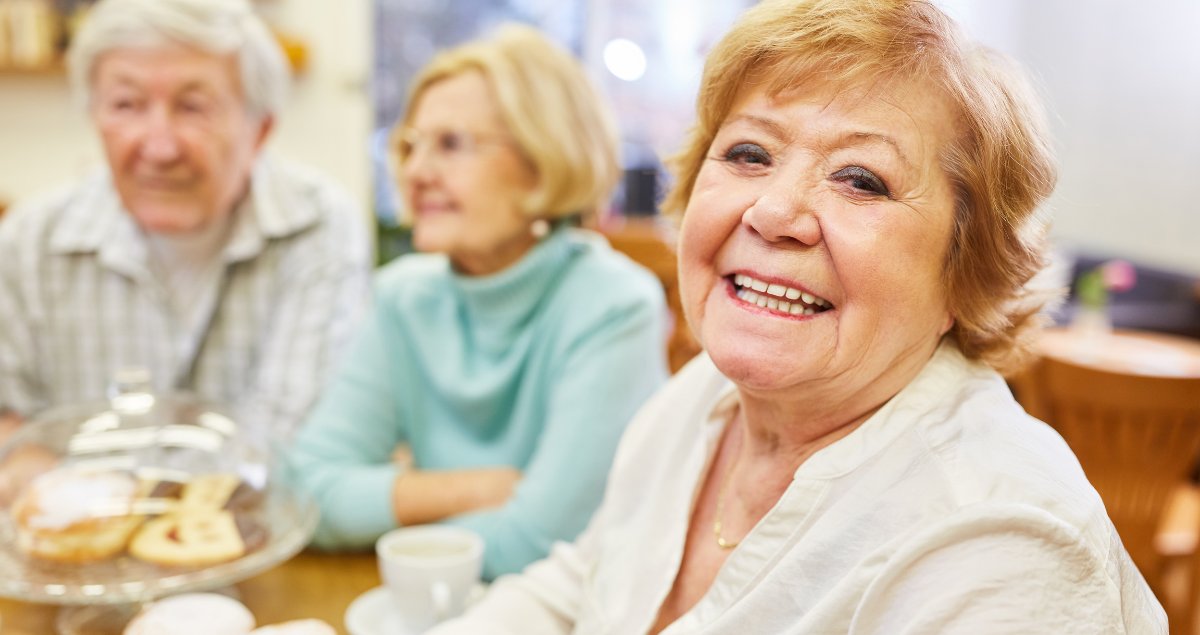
(721, 508)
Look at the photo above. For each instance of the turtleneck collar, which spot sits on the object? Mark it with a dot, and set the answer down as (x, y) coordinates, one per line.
(514, 292)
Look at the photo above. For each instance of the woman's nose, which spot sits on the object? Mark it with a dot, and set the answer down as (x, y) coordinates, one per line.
(418, 167)
(785, 211)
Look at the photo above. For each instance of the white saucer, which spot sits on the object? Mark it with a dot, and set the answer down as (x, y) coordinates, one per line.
(372, 614)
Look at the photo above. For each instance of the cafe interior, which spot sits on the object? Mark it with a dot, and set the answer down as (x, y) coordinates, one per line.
(1117, 373)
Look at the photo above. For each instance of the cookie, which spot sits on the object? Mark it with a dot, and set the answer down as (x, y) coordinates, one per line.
(189, 538)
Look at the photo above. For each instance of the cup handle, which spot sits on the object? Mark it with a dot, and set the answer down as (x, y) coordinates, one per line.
(440, 593)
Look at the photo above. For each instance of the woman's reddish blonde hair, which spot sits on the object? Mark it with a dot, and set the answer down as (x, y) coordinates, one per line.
(1001, 164)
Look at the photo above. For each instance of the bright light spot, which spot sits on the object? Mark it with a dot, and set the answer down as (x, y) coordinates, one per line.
(625, 59)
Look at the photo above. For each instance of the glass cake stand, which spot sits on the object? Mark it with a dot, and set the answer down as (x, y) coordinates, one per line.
(155, 439)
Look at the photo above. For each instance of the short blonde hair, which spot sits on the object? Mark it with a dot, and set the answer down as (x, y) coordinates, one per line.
(1002, 165)
(558, 118)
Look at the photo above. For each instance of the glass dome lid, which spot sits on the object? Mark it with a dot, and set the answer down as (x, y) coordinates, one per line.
(139, 496)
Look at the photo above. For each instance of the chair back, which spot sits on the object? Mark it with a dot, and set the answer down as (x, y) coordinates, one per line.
(641, 240)
(1136, 437)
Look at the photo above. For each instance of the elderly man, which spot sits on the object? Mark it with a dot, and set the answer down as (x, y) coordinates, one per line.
(192, 256)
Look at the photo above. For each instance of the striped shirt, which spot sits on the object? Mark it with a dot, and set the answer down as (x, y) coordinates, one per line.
(79, 299)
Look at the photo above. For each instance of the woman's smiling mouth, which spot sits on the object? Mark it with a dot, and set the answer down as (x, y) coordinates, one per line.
(778, 298)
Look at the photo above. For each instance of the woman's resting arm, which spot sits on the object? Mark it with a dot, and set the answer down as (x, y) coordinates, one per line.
(428, 496)
(343, 452)
(605, 378)
(1006, 569)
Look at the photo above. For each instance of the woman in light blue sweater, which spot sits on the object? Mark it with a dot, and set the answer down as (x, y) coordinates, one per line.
(508, 356)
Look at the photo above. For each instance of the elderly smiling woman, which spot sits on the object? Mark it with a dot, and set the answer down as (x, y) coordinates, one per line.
(858, 243)
(510, 356)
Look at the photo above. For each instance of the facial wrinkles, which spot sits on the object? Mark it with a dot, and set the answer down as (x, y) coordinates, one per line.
(896, 235)
(186, 140)
(874, 228)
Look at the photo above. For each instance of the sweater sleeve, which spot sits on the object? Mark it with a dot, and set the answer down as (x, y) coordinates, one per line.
(342, 455)
(605, 377)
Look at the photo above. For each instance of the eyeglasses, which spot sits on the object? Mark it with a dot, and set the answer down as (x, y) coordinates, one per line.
(446, 146)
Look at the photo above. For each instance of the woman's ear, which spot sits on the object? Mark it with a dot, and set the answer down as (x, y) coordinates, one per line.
(947, 324)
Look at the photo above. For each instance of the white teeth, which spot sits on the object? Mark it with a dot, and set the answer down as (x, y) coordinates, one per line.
(756, 291)
(809, 311)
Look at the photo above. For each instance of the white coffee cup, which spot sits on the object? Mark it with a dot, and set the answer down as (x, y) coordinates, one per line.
(431, 571)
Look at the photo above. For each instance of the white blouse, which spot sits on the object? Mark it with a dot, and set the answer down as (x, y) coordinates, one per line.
(948, 511)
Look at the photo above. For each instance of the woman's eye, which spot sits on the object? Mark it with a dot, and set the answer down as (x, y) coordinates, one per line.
(451, 142)
(748, 153)
(862, 179)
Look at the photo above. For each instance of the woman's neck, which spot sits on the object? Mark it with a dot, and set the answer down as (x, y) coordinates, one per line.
(499, 258)
(785, 427)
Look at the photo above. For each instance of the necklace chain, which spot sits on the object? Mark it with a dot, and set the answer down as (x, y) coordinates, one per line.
(721, 542)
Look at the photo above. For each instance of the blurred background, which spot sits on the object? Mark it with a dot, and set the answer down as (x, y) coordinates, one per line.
(1121, 81)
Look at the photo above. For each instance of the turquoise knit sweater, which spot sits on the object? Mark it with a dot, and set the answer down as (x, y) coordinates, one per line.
(539, 366)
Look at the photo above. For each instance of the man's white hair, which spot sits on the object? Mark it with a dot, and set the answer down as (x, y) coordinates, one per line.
(221, 27)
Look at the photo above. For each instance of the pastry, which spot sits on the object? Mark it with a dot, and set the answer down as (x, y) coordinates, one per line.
(296, 627)
(69, 516)
(193, 614)
(190, 537)
(208, 521)
(211, 491)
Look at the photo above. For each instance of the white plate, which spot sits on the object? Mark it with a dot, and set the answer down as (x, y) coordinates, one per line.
(372, 614)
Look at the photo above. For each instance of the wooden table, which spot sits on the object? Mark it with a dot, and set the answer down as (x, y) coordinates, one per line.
(312, 584)
(1129, 352)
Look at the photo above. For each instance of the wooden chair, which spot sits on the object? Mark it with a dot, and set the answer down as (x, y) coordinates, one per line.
(1137, 438)
(642, 240)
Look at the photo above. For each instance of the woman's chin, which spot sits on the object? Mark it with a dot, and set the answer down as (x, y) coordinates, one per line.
(762, 366)
(430, 240)
(760, 351)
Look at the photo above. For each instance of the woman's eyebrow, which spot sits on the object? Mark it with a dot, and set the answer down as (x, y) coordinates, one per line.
(768, 125)
(859, 137)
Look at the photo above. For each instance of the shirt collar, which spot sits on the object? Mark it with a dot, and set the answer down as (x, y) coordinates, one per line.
(271, 212)
(90, 218)
(946, 372)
